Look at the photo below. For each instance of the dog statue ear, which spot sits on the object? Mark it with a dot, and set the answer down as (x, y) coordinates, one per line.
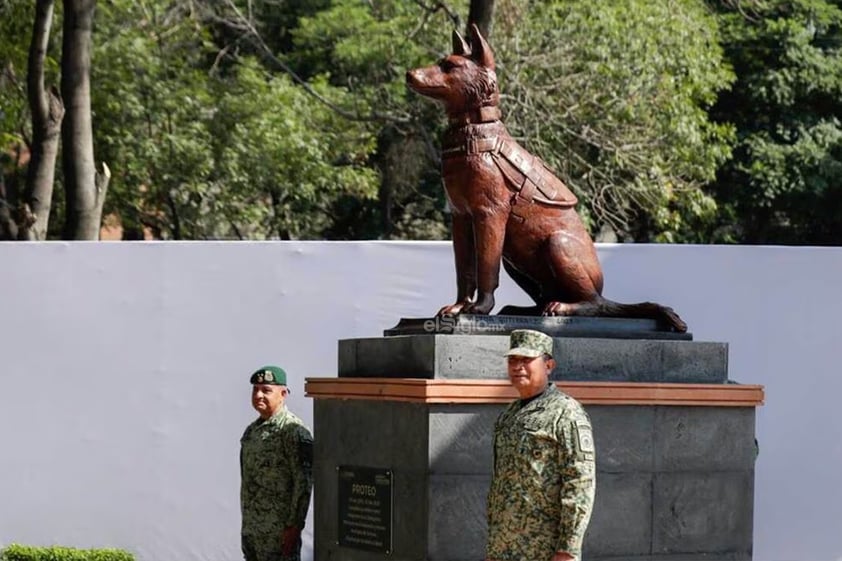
(480, 51)
(460, 46)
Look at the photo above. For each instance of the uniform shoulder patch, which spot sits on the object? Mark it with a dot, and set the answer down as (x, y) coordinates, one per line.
(584, 437)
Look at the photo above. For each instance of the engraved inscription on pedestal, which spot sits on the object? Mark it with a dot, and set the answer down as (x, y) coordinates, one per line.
(365, 508)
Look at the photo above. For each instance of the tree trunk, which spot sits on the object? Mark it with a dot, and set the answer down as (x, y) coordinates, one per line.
(85, 191)
(47, 113)
(8, 228)
(176, 221)
(482, 14)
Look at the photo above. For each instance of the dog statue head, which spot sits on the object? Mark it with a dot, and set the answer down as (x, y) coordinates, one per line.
(463, 81)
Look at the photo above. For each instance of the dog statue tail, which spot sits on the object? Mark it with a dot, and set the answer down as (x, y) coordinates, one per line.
(602, 307)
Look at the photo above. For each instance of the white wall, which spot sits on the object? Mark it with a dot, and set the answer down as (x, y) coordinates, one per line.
(124, 373)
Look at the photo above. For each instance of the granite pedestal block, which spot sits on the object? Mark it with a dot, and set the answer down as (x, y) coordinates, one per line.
(579, 358)
(674, 482)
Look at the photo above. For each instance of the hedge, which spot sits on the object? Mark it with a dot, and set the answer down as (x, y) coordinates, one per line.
(17, 552)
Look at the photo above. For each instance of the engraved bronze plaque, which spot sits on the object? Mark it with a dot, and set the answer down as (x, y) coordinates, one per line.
(365, 508)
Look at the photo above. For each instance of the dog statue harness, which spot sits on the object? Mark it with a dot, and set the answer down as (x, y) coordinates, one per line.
(527, 175)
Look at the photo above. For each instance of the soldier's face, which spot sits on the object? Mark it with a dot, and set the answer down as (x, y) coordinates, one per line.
(267, 398)
(529, 376)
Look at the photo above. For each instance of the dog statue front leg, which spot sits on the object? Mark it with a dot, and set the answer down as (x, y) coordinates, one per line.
(489, 233)
(466, 264)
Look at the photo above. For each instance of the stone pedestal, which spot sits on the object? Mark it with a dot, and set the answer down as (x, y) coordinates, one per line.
(674, 445)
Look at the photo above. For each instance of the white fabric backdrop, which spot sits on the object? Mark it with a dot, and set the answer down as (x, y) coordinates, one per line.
(123, 373)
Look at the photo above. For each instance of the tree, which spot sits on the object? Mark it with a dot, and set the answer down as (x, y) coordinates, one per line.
(153, 103)
(597, 88)
(617, 105)
(8, 229)
(47, 112)
(212, 144)
(291, 151)
(30, 126)
(84, 187)
(291, 119)
(15, 125)
(783, 184)
(365, 51)
(481, 13)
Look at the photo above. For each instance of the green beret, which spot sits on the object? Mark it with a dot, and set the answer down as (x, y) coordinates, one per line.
(271, 375)
(529, 343)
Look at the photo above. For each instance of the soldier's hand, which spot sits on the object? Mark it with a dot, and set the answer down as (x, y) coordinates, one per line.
(291, 537)
(562, 556)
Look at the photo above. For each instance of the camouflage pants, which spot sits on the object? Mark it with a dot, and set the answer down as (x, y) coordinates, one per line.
(260, 549)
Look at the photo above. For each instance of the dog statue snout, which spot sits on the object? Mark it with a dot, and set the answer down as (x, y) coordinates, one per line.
(415, 78)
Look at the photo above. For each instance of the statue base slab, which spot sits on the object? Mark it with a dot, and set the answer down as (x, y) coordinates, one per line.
(557, 326)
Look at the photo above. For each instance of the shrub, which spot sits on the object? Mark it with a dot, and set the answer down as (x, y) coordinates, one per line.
(17, 552)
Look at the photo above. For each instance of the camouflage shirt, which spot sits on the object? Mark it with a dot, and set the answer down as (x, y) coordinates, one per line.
(276, 457)
(544, 479)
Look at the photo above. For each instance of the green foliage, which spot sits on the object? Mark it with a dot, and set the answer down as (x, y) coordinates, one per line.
(16, 24)
(149, 106)
(15, 29)
(783, 185)
(198, 154)
(16, 19)
(597, 89)
(17, 552)
(273, 20)
(372, 44)
(679, 121)
(366, 49)
(617, 105)
(277, 144)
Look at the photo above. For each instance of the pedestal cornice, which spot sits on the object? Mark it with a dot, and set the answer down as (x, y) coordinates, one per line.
(500, 391)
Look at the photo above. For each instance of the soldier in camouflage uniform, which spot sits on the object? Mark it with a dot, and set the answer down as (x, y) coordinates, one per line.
(276, 457)
(543, 484)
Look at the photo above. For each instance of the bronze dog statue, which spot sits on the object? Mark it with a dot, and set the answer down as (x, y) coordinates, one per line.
(508, 206)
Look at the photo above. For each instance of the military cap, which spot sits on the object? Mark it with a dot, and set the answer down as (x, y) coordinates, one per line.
(526, 342)
(271, 375)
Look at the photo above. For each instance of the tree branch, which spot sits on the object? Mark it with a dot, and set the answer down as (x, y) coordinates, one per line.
(243, 24)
